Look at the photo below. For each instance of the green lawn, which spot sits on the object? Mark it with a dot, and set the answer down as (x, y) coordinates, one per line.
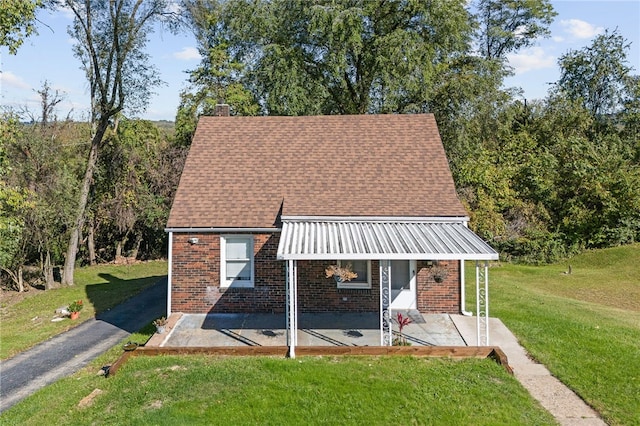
(276, 391)
(585, 327)
(28, 322)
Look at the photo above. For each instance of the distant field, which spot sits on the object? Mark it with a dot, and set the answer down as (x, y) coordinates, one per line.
(585, 327)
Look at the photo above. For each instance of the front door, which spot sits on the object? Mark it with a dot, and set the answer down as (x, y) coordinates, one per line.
(403, 284)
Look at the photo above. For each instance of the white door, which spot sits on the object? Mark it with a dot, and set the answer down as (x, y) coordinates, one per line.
(403, 284)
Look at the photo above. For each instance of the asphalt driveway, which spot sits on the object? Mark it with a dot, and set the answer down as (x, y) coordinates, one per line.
(68, 352)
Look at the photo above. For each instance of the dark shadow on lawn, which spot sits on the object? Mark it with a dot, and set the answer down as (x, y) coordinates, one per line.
(135, 312)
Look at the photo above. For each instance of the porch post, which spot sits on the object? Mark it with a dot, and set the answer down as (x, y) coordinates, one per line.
(385, 304)
(482, 302)
(291, 307)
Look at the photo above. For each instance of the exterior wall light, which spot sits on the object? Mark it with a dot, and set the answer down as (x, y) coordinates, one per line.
(193, 240)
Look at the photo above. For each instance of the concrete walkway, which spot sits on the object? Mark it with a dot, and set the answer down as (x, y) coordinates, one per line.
(553, 395)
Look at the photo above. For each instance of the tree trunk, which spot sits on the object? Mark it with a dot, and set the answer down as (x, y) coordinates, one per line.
(118, 251)
(91, 244)
(16, 277)
(136, 249)
(49, 282)
(72, 249)
(20, 280)
(120, 247)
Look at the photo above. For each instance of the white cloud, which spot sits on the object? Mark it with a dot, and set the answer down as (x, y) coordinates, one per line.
(187, 54)
(175, 7)
(530, 59)
(580, 29)
(10, 79)
(66, 12)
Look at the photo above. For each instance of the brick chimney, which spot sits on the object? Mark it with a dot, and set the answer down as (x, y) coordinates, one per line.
(221, 110)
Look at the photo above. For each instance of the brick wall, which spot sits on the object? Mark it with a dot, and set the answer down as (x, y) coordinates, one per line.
(317, 293)
(196, 282)
(434, 297)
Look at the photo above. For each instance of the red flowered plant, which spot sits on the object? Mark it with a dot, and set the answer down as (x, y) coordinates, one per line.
(402, 323)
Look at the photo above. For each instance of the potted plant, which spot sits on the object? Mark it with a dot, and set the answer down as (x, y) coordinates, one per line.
(74, 309)
(160, 324)
(402, 321)
(439, 273)
(340, 273)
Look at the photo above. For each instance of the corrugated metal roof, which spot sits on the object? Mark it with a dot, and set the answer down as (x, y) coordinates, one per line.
(330, 240)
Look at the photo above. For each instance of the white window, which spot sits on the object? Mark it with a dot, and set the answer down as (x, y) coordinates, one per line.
(236, 261)
(360, 267)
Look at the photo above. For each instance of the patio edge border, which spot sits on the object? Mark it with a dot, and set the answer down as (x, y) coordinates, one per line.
(457, 352)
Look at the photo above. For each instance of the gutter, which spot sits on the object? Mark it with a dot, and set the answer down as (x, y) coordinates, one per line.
(194, 230)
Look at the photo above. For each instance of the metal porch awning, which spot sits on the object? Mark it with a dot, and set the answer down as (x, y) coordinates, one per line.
(326, 239)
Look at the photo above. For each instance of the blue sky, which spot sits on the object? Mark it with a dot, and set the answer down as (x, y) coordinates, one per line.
(49, 56)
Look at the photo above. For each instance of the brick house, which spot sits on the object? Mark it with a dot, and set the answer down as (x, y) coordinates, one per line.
(266, 204)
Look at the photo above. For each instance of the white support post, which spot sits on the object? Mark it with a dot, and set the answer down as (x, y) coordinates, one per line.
(295, 303)
(482, 303)
(386, 331)
(291, 308)
(169, 273)
(287, 297)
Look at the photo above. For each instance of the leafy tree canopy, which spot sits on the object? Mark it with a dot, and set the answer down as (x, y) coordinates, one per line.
(326, 57)
(17, 21)
(509, 25)
(598, 75)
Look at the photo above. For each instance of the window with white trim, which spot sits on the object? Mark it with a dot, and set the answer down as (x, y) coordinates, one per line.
(362, 268)
(236, 261)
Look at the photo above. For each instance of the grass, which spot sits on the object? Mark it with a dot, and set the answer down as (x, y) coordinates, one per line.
(307, 390)
(585, 327)
(28, 322)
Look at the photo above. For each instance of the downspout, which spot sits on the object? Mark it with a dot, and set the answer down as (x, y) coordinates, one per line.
(463, 303)
(170, 254)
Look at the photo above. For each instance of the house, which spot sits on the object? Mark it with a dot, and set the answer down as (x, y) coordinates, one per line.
(266, 204)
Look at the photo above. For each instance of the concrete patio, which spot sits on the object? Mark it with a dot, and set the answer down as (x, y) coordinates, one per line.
(317, 329)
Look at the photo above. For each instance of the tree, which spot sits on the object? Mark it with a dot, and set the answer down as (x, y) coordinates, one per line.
(111, 36)
(597, 75)
(46, 161)
(218, 78)
(342, 57)
(48, 102)
(631, 117)
(14, 201)
(134, 189)
(17, 21)
(506, 26)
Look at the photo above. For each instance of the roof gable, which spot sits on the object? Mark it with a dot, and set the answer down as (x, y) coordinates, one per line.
(246, 171)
